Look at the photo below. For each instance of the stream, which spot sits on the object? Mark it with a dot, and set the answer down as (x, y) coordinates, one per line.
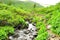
(25, 34)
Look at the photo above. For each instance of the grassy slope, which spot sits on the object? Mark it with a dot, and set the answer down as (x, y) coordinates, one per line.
(16, 16)
(41, 17)
(10, 18)
(51, 17)
(27, 5)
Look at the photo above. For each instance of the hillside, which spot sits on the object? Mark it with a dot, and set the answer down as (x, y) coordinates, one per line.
(25, 5)
(44, 20)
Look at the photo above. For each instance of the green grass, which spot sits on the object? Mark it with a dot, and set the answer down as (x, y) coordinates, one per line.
(25, 5)
(4, 31)
(9, 18)
(42, 32)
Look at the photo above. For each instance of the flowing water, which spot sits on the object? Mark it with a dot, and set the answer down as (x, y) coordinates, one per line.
(25, 34)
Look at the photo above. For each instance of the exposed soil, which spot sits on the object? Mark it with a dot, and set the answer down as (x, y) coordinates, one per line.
(52, 36)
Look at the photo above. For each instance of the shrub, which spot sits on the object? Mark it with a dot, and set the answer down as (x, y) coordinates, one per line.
(4, 31)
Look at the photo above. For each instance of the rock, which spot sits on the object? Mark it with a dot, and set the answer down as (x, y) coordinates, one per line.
(53, 36)
(10, 37)
(16, 36)
(26, 31)
(25, 34)
(49, 26)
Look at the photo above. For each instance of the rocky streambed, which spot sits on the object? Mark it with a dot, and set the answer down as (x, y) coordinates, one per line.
(25, 34)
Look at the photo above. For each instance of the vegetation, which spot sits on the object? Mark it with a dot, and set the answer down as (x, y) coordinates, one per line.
(17, 13)
(42, 33)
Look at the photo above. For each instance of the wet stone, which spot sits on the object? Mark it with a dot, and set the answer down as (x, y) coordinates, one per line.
(25, 34)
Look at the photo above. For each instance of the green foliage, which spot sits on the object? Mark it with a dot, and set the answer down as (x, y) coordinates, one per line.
(42, 33)
(43, 36)
(35, 19)
(55, 22)
(15, 13)
(4, 31)
(38, 24)
(9, 18)
(12, 16)
(51, 17)
(25, 5)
